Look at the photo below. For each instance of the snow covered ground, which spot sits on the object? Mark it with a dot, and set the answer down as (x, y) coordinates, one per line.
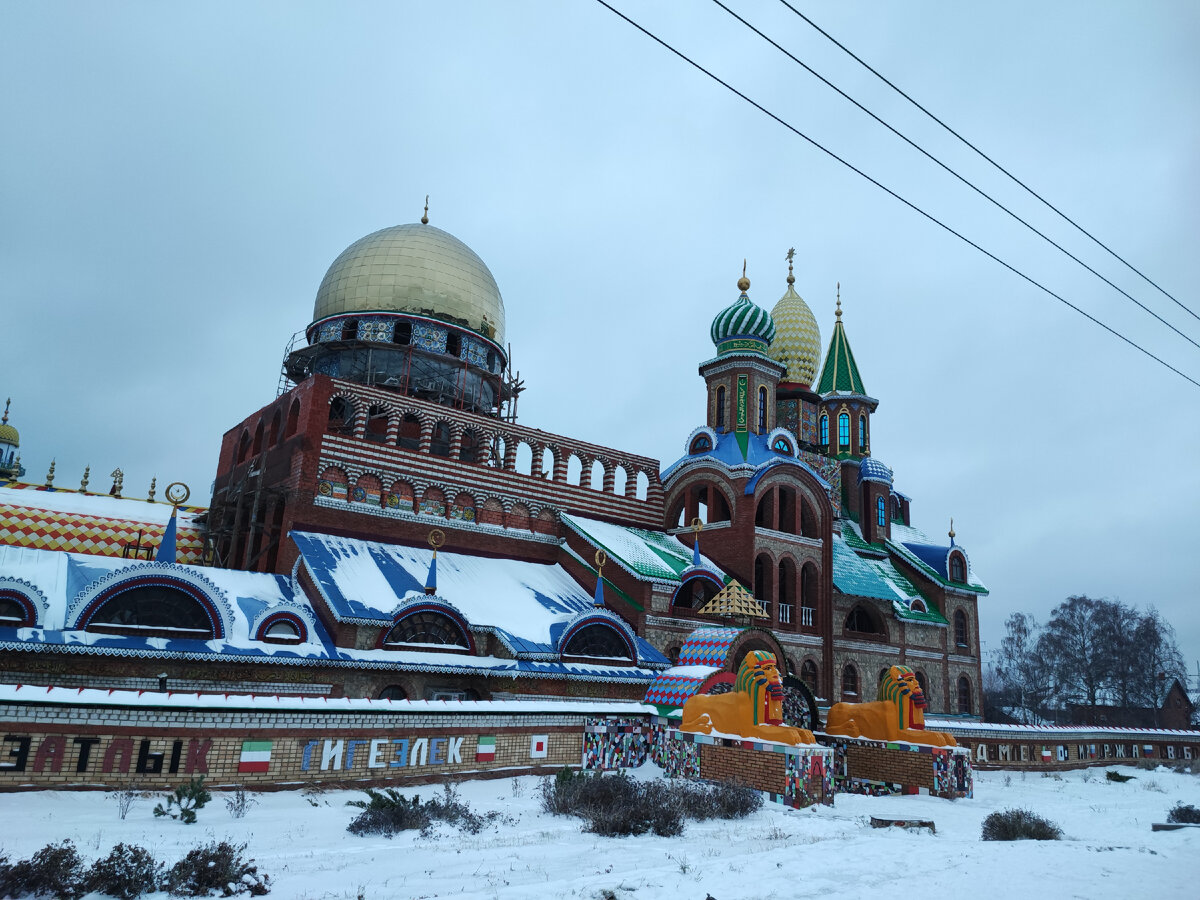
(300, 840)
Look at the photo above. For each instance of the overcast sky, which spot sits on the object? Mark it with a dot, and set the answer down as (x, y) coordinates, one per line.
(176, 179)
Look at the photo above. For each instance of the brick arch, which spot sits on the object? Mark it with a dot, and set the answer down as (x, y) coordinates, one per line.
(349, 423)
(368, 488)
(491, 512)
(682, 503)
(546, 521)
(463, 507)
(753, 639)
(518, 517)
(433, 502)
(401, 495)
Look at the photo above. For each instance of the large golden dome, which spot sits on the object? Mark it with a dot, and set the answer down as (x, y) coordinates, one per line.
(797, 343)
(415, 269)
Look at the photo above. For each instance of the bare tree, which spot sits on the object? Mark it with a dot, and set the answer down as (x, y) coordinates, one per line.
(1073, 644)
(1022, 672)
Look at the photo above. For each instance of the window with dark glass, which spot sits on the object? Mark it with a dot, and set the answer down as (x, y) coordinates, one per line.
(850, 680)
(721, 407)
(282, 631)
(924, 684)
(844, 430)
(808, 674)
(350, 329)
(410, 432)
(600, 641)
(402, 334)
(426, 627)
(468, 451)
(453, 344)
(377, 424)
(957, 569)
(393, 692)
(960, 628)
(861, 621)
(156, 608)
(762, 410)
(781, 445)
(964, 696)
(12, 613)
(701, 444)
(824, 431)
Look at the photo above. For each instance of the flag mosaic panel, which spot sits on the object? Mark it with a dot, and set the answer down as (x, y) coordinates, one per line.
(78, 533)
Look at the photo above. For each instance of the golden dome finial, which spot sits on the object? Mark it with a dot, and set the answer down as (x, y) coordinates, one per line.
(4, 421)
(839, 301)
(425, 216)
(743, 282)
(952, 529)
(791, 279)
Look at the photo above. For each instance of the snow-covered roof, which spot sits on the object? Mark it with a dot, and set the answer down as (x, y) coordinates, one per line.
(647, 555)
(244, 601)
(527, 605)
(96, 524)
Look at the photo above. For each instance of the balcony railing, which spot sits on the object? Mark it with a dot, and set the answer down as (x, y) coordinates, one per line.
(785, 613)
(807, 615)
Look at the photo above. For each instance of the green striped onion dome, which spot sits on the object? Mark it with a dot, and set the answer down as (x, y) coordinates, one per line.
(742, 327)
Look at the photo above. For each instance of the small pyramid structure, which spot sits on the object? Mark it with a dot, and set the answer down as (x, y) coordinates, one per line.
(734, 600)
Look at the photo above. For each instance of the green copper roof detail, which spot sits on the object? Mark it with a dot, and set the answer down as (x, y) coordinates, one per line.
(840, 372)
(742, 326)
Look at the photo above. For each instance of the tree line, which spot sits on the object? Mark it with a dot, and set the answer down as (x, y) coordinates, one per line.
(1091, 652)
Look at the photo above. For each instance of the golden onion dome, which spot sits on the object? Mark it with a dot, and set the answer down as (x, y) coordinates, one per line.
(9, 435)
(416, 269)
(797, 343)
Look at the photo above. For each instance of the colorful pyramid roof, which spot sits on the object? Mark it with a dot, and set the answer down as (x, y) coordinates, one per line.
(840, 373)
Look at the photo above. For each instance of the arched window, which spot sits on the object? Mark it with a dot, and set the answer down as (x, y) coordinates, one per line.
(695, 593)
(377, 424)
(762, 410)
(762, 581)
(258, 440)
(960, 628)
(843, 431)
(468, 450)
(426, 627)
(293, 420)
(14, 614)
(350, 329)
(402, 333)
(721, 407)
(283, 629)
(276, 423)
(157, 610)
(862, 432)
(849, 681)
(880, 512)
(599, 641)
(964, 696)
(409, 437)
(786, 591)
(782, 445)
(341, 416)
(393, 692)
(243, 450)
(825, 431)
(440, 444)
(786, 499)
(958, 571)
(921, 680)
(701, 444)
(809, 675)
(861, 621)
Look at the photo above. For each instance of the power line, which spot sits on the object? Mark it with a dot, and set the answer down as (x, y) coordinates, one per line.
(892, 193)
(993, 162)
(946, 168)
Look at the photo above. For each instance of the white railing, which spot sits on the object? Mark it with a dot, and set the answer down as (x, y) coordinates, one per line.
(807, 613)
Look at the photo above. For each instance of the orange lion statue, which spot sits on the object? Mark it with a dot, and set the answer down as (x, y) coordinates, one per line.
(899, 716)
(754, 709)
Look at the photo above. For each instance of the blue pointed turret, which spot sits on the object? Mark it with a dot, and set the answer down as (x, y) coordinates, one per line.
(431, 578)
(598, 599)
(166, 547)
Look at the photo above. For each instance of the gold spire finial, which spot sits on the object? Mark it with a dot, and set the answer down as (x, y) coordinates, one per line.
(425, 216)
(601, 559)
(84, 483)
(697, 525)
(743, 282)
(791, 279)
(177, 494)
(437, 537)
(4, 421)
(839, 301)
(952, 529)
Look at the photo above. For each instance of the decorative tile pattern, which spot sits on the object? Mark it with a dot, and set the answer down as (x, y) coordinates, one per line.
(672, 690)
(429, 337)
(708, 646)
(379, 330)
(474, 353)
(78, 533)
(616, 743)
(330, 331)
(797, 343)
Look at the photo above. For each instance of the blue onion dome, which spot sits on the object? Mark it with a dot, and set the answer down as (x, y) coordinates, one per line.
(871, 469)
(742, 327)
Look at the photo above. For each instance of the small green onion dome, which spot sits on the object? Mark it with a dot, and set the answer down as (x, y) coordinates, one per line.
(742, 326)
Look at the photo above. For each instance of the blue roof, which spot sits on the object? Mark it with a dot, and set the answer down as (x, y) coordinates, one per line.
(871, 469)
(728, 453)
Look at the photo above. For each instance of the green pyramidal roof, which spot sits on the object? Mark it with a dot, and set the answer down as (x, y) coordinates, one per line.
(840, 372)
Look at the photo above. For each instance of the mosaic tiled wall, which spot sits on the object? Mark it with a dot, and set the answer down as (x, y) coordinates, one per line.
(41, 529)
(878, 768)
(616, 743)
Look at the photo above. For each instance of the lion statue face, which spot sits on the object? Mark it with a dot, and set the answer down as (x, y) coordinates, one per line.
(759, 678)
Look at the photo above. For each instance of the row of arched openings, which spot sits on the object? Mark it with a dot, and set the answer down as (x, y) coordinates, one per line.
(780, 586)
(471, 445)
(852, 687)
(279, 429)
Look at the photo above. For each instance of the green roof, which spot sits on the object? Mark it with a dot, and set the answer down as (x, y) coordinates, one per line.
(840, 372)
(651, 555)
